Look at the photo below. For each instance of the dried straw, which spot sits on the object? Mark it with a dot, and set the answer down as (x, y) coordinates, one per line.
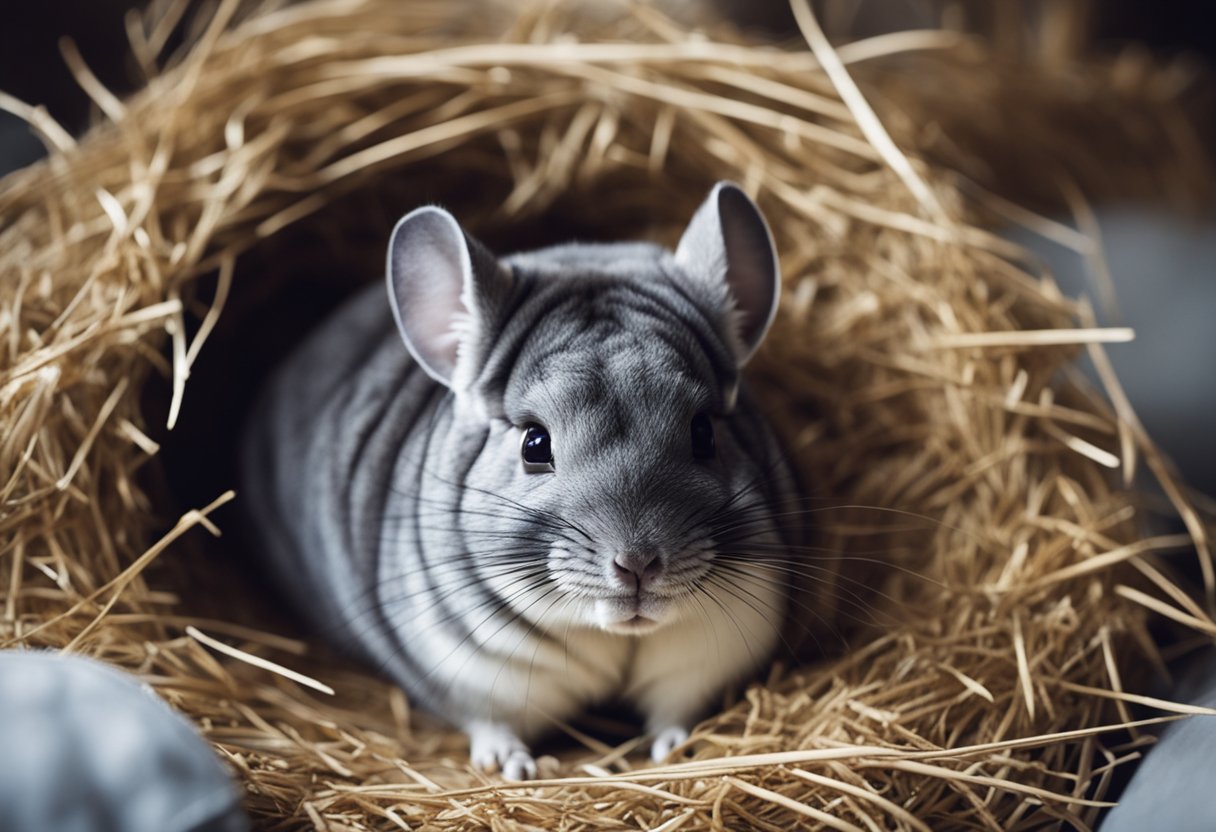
(996, 580)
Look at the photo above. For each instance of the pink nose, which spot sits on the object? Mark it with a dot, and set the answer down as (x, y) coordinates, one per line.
(636, 569)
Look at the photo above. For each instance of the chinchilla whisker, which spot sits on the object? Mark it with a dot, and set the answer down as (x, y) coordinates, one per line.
(721, 570)
(747, 642)
(521, 511)
(455, 584)
(687, 574)
(449, 573)
(504, 662)
(758, 542)
(934, 522)
(516, 616)
(750, 487)
(554, 531)
(538, 532)
(693, 594)
(436, 594)
(541, 516)
(531, 631)
(795, 508)
(752, 600)
(374, 600)
(504, 557)
(843, 596)
(699, 514)
(809, 561)
(764, 526)
(441, 509)
(816, 574)
(532, 538)
(720, 583)
(762, 610)
(566, 635)
(473, 566)
(503, 603)
(576, 567)
(742, 518)
(582, 591)
(828, 553)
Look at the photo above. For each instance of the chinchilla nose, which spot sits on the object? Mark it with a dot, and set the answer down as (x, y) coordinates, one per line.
(636, 569)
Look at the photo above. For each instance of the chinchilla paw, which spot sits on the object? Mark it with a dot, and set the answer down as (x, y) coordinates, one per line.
(666, 741)
(494, 747)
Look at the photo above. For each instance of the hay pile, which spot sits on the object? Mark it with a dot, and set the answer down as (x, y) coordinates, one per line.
(920, 368)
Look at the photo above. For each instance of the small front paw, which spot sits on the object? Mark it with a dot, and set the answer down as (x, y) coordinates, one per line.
(666, 741)
(518, 765)
(494, 747)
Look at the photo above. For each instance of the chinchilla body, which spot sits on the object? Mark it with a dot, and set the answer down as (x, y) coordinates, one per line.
(553, 493)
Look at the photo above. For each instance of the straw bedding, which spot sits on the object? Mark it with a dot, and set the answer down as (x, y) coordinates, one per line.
(971, 659)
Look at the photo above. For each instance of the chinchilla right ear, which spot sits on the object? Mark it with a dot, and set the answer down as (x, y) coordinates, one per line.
(443, 288)
(728, 252)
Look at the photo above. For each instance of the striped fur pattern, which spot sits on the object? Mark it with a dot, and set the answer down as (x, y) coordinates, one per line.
(387, 483)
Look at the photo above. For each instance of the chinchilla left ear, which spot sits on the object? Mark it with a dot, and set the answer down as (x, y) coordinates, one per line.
(728, 250)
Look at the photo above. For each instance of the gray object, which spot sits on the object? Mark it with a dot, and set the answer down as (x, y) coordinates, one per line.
(558, 495)
(1163, 269)
(85, 748)
(1172, 788)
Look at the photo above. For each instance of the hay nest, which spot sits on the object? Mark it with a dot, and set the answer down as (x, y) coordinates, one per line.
(921, 369)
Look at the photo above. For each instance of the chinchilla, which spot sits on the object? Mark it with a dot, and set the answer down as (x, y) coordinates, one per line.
(553, 493)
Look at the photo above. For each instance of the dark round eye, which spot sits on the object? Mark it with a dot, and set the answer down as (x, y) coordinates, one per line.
(702, 436)
(536, 450)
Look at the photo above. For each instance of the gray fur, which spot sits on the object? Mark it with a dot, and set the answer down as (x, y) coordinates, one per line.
(395, 509)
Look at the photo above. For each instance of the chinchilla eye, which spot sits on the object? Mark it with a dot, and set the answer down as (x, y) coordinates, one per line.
(702, 437)
(537, 450)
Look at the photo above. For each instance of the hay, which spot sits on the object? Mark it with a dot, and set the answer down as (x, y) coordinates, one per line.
(996, 584)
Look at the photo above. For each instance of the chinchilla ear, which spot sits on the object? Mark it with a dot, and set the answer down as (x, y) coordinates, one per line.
(441, 286)
(727, 248)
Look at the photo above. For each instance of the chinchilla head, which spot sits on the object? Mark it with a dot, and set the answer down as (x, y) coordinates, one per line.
(597, 387)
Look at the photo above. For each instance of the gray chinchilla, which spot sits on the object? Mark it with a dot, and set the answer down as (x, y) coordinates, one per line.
(553, 493)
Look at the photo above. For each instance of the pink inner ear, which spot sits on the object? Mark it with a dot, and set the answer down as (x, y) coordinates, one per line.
(434, 321)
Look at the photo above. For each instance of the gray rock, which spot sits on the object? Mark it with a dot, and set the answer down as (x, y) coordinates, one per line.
(86, 748)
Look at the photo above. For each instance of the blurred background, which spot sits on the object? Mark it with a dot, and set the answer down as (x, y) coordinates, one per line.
(33, 70)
